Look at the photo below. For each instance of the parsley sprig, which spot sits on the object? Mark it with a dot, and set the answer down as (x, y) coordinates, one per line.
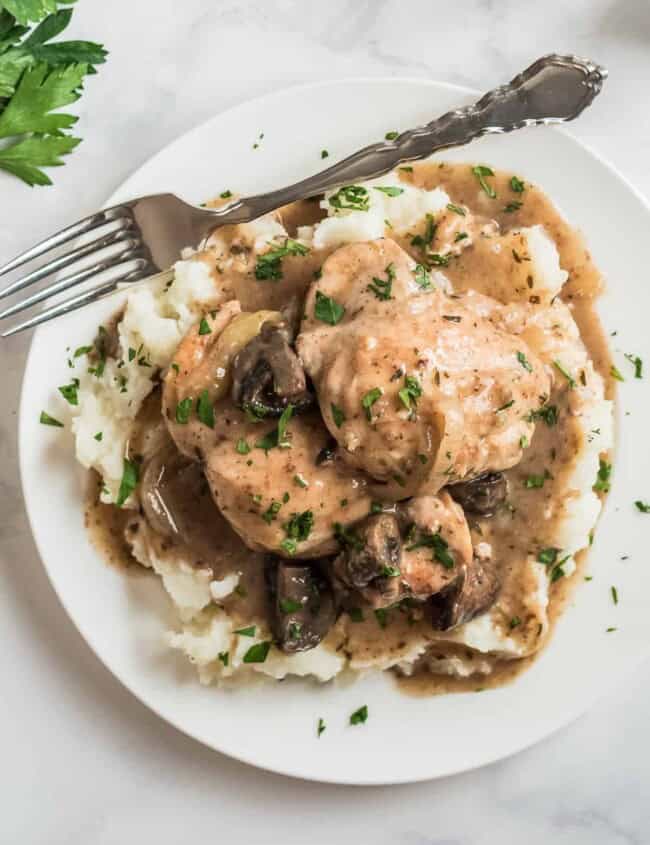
(38, 76)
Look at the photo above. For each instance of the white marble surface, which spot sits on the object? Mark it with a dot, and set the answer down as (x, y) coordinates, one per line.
(82, 761)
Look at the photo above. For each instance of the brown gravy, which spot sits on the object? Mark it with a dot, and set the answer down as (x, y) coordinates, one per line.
(514, 535)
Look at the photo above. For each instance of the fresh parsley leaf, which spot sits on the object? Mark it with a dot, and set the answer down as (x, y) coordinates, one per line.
(457, 209)
(355, 614)
(381, 615)
(205, 409)
(130, 478)
(224, 657)
(562, 369)
(548, 556)
(525, 363)
(439, 260)
(616, 373)
(271, 513)
(25, 158)
(337, 415)
(390, 572)
(242, 447)
(324, 153)
(183, 410)
(369, 399)
(257, 653)
(643, 507)
(515, 622)
(300, 481)
(359, 716)
(481, 171)
(82, 350)
(390, 190)
(269, 265)
(99, 436)
(614, 592)
(410, 393)
(299, 526)
(246, 632)
(425, 239)
(28, 11)
(225, 195)
(204, 327)
(535, 482)
(46, 419)
(436, 542)
(382, 288)
(289, 605)
(353, 197)
(637, 363)
(422, 277)
(512, 206)
(548, 413)
(603, 483)
(321, 727)
(392, 135)
(328, 310)
(69, 392)
(517, 185)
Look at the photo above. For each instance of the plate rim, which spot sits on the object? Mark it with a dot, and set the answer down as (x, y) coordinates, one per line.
(243, 756)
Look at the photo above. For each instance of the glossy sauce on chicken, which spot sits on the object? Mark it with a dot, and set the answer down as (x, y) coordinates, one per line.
(259, 490)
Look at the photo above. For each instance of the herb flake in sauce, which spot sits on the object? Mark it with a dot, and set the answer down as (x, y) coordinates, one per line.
(46, 419)
(328, 310)
(481, 171)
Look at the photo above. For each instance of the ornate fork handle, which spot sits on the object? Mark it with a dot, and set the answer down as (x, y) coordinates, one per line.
(554, 89)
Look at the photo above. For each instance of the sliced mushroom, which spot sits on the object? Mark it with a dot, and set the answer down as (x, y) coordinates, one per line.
(482, 495)
(371, 560)
(303, 608)
(267, 374)
(472, 593)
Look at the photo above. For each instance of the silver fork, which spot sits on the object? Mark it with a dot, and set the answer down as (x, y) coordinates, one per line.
(141, 238)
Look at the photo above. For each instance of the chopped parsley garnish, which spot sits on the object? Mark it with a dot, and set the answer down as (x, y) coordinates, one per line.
(602, 483)
(183, 410)
(451, 318)
(99, 436)
(382, 288)
(515, 205)
(557, 572)
(347, 537)
(289, 605)
(300, 481)
(391, 136)
(242, 447)
(525, 363)
(246, 632)
(324, 154)
(505, 407)
(174, 365)
(426, 239)
(563, 370)
(523, 442)
(297, 530)
(390, 190)
(410, 393)
(204, 327)
(517, 185)
(547, 413)
(548, 556)
(515, 622)
(609, 630)
(406, 168)
(46, 419)
(460, 236)
(269, 265)
(535, 482)
(381, 615)
(637, 363)
(337, 415)
(69, 392)
(439, 545)
(278, 436)
(82, 350)
(257, 653)
(130, 478)
(359, 716)
(616, 373)
(353, 197)
(328, 310)
(422, 277)
(439, 260)
(225, 195)
(205, 409)
(390, 572)
(321, 727)
(643, 507)
(457, 209)
(369, 399)
(614, 592)
(481, 171)
(356, 614)
(271, 513)
(224, 657)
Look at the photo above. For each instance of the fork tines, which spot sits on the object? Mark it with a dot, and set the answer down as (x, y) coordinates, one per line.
(114, 255)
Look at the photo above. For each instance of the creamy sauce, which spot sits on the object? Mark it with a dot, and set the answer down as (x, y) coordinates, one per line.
(515, 532)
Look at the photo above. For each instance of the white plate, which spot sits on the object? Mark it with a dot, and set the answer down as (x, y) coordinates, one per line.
(405, 739)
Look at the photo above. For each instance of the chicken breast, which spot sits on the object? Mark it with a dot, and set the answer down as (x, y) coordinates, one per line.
(417, 388)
